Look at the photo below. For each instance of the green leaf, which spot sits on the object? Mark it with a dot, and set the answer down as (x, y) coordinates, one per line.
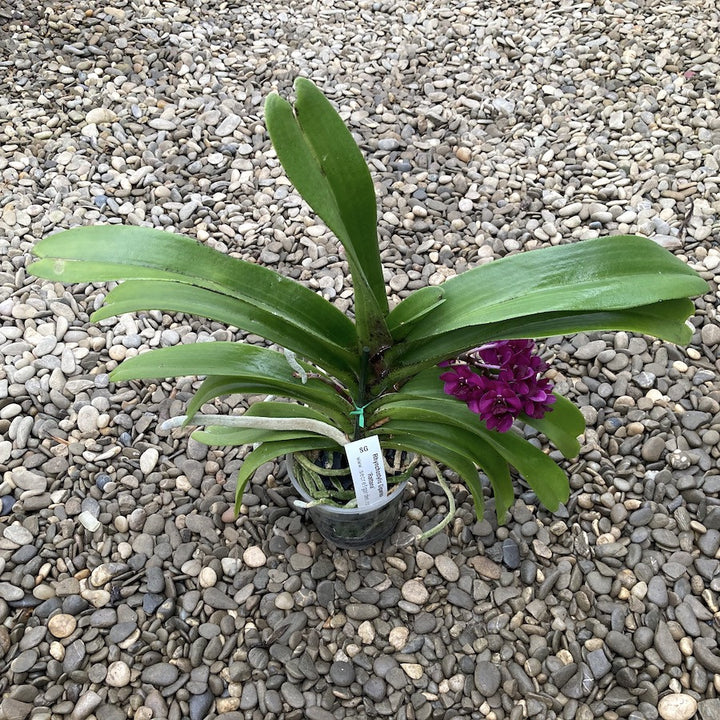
(609, 273)
(666, 319)
(330, 406)
(170, 296)
(233, 367)
(415, 307)
(544, 476)
(561, 425)
(322, 160)
(546, 479)
(118, 252)
(498, 472)
(271, 451)
(426, 443)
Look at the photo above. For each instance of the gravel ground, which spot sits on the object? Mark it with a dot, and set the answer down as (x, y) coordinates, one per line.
(127, 589)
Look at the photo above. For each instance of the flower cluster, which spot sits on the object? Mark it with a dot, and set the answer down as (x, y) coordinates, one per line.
(500, 381)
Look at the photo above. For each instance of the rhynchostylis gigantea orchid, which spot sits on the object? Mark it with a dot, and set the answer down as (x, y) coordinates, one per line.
(383, 371)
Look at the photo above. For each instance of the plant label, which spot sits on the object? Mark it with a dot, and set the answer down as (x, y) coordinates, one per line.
(368, 471)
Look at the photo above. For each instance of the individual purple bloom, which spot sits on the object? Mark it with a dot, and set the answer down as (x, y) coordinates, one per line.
(460, 381)
(496, 403)
(538, 399)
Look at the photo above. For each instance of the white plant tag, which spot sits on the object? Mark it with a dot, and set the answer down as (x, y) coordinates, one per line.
(367, 470)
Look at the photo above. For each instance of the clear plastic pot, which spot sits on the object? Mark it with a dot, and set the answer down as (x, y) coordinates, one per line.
(352, 528)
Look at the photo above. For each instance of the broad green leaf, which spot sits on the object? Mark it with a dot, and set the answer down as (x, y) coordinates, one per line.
(547, 480)
(332, 406)
(170, 296)
(415, 307)
(545, 477)
(255, 369)
(271, 451)
(117, 252)
(666, 320)
(464, 442)
(498, 472)
(561, 425)
(609, 273)
(426, 444)
(322, 160)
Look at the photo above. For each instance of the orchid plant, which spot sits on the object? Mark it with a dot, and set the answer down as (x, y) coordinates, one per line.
(443, 374)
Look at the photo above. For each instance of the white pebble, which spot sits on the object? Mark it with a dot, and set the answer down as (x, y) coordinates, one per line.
(207, 577)
(97, 116)
(118, 674)
(148, 460)
(398, 637)
(254, 557)
(87, 419)
(677, 706)
(88, 521)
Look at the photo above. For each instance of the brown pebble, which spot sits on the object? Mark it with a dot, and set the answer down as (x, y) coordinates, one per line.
(62, 625)
(485, 567)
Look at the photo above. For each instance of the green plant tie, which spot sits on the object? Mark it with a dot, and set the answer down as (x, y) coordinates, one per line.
(360, 412)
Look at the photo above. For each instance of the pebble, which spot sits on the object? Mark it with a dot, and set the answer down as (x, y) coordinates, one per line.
(666, 646)
(162, 674)
(620, 643)
(62, 625)
(17, 534)
(487, 678)
(118, 674)
(398, 637)
(254, 557)
(342, 673)
(148, 460)
(199, 705)
(677, 706)
(87, 419)
(447, 568)
(15, 709)
(10, 593)
(415, 592)
(85, 705)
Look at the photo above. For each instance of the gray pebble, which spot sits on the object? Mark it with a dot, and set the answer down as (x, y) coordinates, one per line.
(598, 663)
(199, 705)
(620, 643)
(342, 673)
(666, 646)
(74, 656)
(375, 688)
(705, 651)
(162, 674)
(487, 678)
(15, 709)
(709, 542)
(709, 709)
(657, 591)
(24, 661)
(292, 696)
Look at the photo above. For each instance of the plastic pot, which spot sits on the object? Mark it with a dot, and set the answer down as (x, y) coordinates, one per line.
(351, 528)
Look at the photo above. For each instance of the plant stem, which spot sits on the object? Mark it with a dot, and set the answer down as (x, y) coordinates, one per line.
(362, 390)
